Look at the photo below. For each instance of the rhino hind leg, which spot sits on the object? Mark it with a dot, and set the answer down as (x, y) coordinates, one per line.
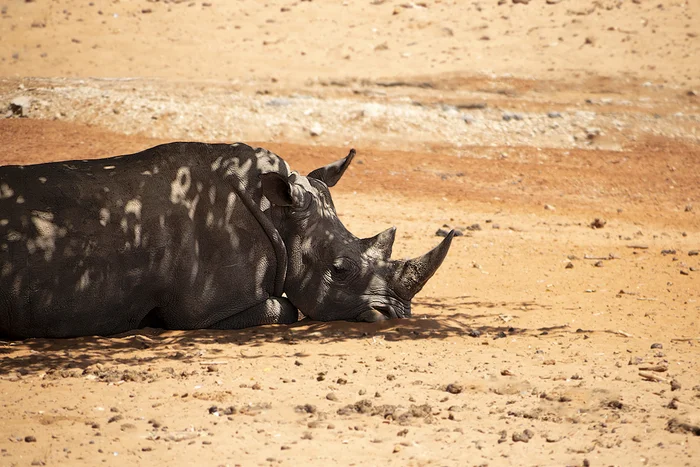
(274, 310)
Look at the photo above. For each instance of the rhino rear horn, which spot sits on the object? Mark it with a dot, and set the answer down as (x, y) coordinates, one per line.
(381, 245)
(331, 173)
(412, 275)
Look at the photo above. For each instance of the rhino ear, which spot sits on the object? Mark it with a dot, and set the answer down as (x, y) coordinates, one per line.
(331, 173)
(277, 189)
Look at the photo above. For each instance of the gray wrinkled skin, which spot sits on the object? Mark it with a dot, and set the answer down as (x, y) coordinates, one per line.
(188, 236)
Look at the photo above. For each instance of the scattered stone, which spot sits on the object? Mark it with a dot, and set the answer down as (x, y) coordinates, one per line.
(474, 333)
(30, 439)
(673, 404)
(524, 2)
(553, 439)
(693, 253)
(128, 427)
(569, 265)
(19, 106)
(445, 230)
(549, 207)
(658, 368)
(508, 116)
(331, 396)
(635, 361)
(598, 223)
(675, 385)
(504, 437)
(554, 114)
(657, 346)
(676, 426)
(474, 227)
(614, 404)
(668, 252)
(598, 264)
(520, 437)
(306, 408)
(316, 129)
(116, 418)
(684, 272)
(688, 208)
(454, 388)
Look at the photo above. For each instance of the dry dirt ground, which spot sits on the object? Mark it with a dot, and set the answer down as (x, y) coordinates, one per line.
(540, 341)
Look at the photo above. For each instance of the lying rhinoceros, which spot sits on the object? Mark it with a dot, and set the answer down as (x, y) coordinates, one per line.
(188, 235)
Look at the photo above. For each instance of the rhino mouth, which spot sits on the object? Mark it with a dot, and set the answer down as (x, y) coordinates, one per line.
(380, 311)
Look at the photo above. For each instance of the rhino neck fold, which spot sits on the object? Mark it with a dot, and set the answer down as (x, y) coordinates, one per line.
(272, 234)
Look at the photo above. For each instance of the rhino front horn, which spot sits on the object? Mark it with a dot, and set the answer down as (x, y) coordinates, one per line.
(413, 274)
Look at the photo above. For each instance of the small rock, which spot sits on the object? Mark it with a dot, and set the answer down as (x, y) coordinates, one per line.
(30, 439)
(508, 116)
(635, 361)
(614, 404)
(598, 264)
(598, 223)
(332, 397)
(116, 418)
(673, 404)
(693, 253)
(474, 333)
(553, 439)
(675, 385)
(668, 252)
(520, 437)
(684, 272)
(454, 388)
(569, 265)
(657, 346)
(20, 106)
(306, 408)
(688, 208)
(529, 433)
(549, 207)
(316, 129)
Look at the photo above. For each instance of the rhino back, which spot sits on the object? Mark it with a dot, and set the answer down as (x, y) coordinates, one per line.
(90, 247)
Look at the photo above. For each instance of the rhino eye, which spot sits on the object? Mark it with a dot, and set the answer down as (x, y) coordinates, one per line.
(343, 268)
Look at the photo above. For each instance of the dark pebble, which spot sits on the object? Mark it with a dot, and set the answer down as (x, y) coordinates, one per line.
(454, 388)
(30, 439)
(657, 346)
(474, 333)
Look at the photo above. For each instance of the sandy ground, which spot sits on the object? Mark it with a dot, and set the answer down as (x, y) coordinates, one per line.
(541, 340)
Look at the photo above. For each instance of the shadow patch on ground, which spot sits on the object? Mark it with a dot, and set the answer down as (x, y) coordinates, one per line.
(51, 355)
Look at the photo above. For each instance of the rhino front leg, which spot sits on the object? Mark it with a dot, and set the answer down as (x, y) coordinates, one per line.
(274, 310)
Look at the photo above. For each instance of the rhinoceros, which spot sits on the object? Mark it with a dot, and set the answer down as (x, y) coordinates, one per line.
(189, 236)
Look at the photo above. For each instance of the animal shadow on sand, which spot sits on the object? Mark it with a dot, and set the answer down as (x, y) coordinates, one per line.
(434, 318)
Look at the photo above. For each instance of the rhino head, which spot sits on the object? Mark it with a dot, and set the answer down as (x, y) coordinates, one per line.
(332, 274)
